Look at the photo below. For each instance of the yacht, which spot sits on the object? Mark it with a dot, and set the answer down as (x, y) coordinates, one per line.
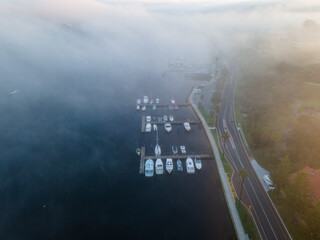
(143, 108)
(168, 127)
(179, 165)
(169, 165)
(171, 118)
(198, 163)
(190, 165)
(155, 127)
(157, 100)
(138, 101)
(165, 118)
(145, 99)
(173, 101)
(159, 166)
(187, 126)
(157, 149)
(138, 107)
(149, 168)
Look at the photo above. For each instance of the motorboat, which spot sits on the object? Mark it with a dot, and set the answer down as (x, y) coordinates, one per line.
(165, 118)
(167, 127)
(198, 163)
(173, 101)
(169, 165)
(159, 166)
(174, 150)
(138, 107)
(138, 151)
(143, 108)
(171, 118)
(145, 99)
(138, 101)
(187, 126)
(154, 107)
(151, 101)
(179, 165)
(148, 118)
(149, 168)
(183, 149)
(148, 127)
(171, 107)
(159, 119)
(175, 106)
(155, 127)
(157, 100)
(190, 166)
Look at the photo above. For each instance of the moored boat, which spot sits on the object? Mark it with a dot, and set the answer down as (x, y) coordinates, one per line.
(198, 162)
(187, 126)
(179, 165)
(143, 108)
(169, 165)
(149, 168)
(154, 107)
(145, 99)
(159, 166)
(138, 108)
(167, 127)
(190, 165)
(138, 151)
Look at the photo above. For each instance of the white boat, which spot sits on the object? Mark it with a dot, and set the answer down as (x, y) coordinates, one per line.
(151, 101)
(165, 118)
(171, 118)
(198, 162)
(148, 127)
(145, 99)
(148, 118)
(173, 101)
(143, 108)
(167, 127)
(187, 126)
(138, 101)
(190, 166)
(149, 168)
(157, 100)
(159, 166)
(169, 165)
(183, 149)
(138, 107)
(157, 150)
(155, 127)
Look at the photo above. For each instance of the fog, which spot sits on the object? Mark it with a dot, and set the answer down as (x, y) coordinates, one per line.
(80, 56)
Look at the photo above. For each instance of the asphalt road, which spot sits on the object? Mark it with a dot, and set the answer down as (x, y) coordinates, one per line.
(268, 221)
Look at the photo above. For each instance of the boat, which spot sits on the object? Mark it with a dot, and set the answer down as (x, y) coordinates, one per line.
(171, 118)
(179, 165)
(151, 101)
(175, 106)
(148, 127)
(171, 107)
(190, 166)
(145, 99)
(138, 101)
(174, 150)
(149, 168)
(159, 119)
(198, 163)
(187, 126)
(148, 118)
(167, 127)
(159, 166)
(157, 100)
(138, 107)
(155, 127)
(138, 151)
(165, 118)
(173, 101)
(183, 149)
(169, 165)
(157, 149)
(143, 108)
(154, 107)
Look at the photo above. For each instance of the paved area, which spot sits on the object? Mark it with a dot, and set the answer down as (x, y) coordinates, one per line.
(260, 171)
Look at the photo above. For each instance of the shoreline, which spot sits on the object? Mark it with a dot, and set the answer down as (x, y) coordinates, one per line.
(225, 187)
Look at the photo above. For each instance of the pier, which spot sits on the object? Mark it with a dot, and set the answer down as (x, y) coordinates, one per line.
(165, 105)
(143, 150)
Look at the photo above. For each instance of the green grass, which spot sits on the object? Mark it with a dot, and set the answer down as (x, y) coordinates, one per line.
(247, 221)
(210, 118)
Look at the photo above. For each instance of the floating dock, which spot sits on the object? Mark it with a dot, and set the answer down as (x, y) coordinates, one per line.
(166, 105)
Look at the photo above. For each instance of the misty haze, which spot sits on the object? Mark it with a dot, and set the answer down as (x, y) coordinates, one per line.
(159, 119)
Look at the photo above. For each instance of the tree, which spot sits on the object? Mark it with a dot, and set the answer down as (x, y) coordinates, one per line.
(281, 175)
(225, 137)
(218, 108)
(243, 173)
(312, 220)
(298, 193)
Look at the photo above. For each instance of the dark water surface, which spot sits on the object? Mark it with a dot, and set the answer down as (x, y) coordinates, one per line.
(68, 166)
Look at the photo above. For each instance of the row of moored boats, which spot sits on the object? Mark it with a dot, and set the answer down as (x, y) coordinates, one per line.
(158, 166)
(141, 103)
